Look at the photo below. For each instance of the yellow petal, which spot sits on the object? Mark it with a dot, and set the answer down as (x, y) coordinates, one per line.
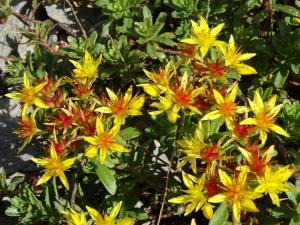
(183, 199)
(203, 50)
(99, 126)
(137, 102)
(208, 211)
(190, 41)
(193, 222)
(64, 180)
(14, 95)
(248, 206)
(233, 93)
(128, 95)
(277, 129)
(53, 154)
(41, 162)
(39, 87)
(26, 82)
(91, 151)
(203, 24)
(39, 103)
(216, 30)
(217, 198)
(150, 89)
(225, 179)
(218, 97)
(76, 64)
(249, 121)
(244, 69)
(263, 136)
(212, 115)
(118, 148)
(44, 178)
(114, 212)
(275, 198)
(94, 214)
(173, 114)
(103, 109)
(187, 181)
(111, 95)
(102, 155)
(91, 140)
(126, 221)
(246, 56)
(69, 162)
(231, 44)
(236, 209)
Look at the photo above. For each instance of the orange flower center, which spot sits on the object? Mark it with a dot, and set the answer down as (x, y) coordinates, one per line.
(28, 95)
(264, 121)
(55, 167)
(235, 192)
(182, 98)
(105, 140)
(227, 109)
(119, 108)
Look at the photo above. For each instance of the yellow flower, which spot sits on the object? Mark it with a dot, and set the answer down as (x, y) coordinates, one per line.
(73, 218)
(123, 106)
(191, 147)
(180, 96)
(89, 68)
(54, 167)
(29, 95)
(203, 36)
(194, 196)
(265, 116)
(233, 58)
(227, 107)
(159, 79)
(102, 141)
(273, 182)
(110, 219)
(236, 193)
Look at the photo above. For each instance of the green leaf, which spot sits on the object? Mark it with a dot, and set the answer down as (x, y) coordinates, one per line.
(220, 216)
(287, 9)
(295, 220)
(281, 77)
(129, 133)
(106, 176)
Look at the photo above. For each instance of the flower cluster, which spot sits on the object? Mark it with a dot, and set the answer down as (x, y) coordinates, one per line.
(227, 158)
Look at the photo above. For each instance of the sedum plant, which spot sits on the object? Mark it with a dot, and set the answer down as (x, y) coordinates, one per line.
(193, 104)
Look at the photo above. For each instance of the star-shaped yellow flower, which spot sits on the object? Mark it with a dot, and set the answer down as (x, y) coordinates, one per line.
(88, 69)
(191, 147)
(204, 37)
(226, 107)
(195, 196)
(274, 181)
(160, 80)
(54, 167)
(264, 116)
(237, 193)
(123, 106)
(103, 141)
(110, 219)
(233, 58)
(73, 218)
(29, 95)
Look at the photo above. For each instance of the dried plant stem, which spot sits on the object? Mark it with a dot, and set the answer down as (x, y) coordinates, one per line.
(169, 171)
(77, 20)
(208, 10)
(117, 49)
